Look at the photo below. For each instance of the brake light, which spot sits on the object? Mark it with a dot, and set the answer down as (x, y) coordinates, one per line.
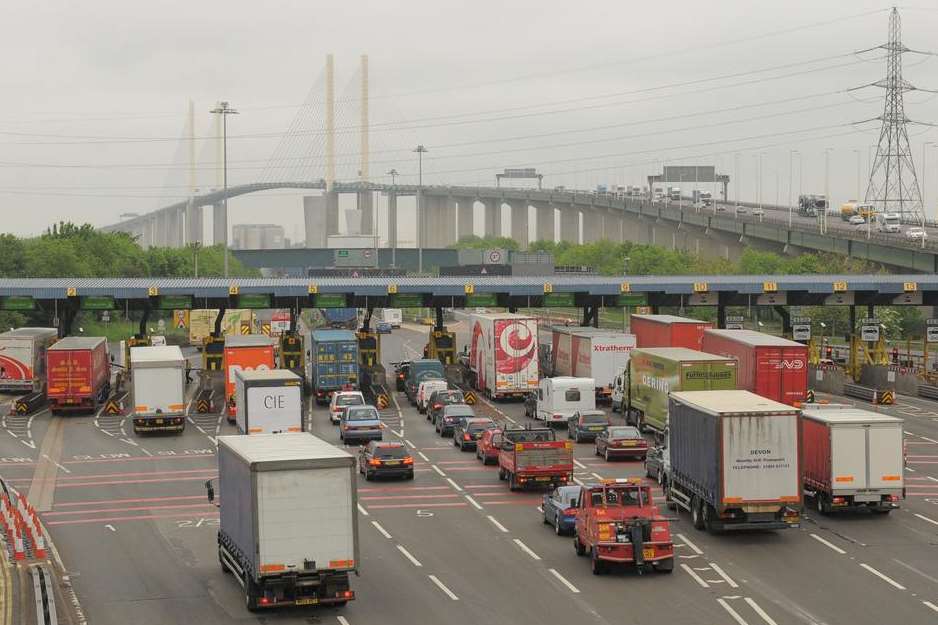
(348, 594)
(569, 512)
(264, 601)
(892, 498)
(437, 406)
(838, 500)
(374, 462)
(400, 375)
(558, 416)
(466, 437)
(408, 460)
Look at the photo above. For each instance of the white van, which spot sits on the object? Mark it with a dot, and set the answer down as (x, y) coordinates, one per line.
(620, 386)
(427, 388)
(888, 222)
(558, 398)
(392, 316)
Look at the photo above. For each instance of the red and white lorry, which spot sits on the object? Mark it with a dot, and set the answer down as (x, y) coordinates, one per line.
(503, 354)
(596, 353)
(23, 358)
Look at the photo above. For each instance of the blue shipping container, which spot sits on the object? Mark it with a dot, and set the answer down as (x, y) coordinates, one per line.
(334, 359)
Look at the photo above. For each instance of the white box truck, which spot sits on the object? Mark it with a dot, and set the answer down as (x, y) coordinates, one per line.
(288, 518)
(392, 316)
(158, 377)
(503, 354)
(268, 401)
(23, 358)
(591, 353)
(853, 458)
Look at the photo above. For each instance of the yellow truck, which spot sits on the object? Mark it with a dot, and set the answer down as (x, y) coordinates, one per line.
(235, 321)
(851, 208)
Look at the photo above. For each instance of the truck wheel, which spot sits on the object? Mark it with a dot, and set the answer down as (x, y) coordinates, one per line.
(250, 595)
(512, 486)
(821, 503)
(577, 545)
(709, 516)
(606, 455)
(665, 566)
(596, 565)
(557, 529)
(501, 474)
(696, 514)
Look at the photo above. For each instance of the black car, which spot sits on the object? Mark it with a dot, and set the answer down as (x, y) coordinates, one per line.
(441, 399)
(400, 374)
(385, 459)
(586, 425)
(468, 431)
(450, 416)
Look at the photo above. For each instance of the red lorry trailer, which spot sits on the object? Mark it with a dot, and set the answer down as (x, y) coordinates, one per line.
(617, 522)
(770, 366)
(668, 331)
(532, 457)
(79, 374)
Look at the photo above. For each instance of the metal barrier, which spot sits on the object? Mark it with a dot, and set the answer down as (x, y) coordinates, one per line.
(872, 395)
(30, 403)
(44, 595)
(928, 391)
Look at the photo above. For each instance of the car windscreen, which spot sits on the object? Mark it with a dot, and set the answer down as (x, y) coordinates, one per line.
(459, 410)
(478, 426)
(349, 400)
(395, 452)
(529, 436)
(361, 414)
(624, 432)
(594, 419)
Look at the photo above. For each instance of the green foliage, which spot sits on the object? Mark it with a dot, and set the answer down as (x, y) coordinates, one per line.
(473, 242)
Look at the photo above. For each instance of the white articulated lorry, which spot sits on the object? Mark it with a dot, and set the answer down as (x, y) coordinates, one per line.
(288, 528)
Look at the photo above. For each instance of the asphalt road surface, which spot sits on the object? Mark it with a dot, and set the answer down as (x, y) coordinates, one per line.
(129, 517)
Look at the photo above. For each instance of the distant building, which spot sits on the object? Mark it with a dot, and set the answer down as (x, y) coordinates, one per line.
(257, 237)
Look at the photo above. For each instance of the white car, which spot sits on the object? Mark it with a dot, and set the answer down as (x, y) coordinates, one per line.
(758, 211)
(740, 210)
(341, 399)
(916, 233)
(857, 220)
(427, 388)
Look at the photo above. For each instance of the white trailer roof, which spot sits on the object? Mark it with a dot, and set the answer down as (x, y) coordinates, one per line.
(156, 354)
(753, 338)
(846, 414)
(253, 375)
(731, 402)
(566, 381)
(29, 332)
(288, 446)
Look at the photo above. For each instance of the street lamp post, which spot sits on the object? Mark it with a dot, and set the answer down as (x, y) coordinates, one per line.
(827, 199)
(196, 246)
(224, 110)
(791, 175)
(420, 150)
(393, 173)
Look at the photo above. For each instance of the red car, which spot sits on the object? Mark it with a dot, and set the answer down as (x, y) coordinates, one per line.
(621, 441)
(487, 446)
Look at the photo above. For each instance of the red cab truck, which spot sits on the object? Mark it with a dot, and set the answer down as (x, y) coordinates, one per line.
(668, 331)
(617, 522)
(533, 457)
(770, 366)
(244, 353)
(78, 374)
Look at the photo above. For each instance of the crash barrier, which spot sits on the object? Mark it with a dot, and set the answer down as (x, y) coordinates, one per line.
(21, 525)
(203, 403)
(874, 396)
(112, 407)
(928, 391)
(383, 401)
(470, 398)
(28, 404)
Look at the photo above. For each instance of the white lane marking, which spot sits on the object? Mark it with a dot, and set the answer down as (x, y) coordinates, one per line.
(46, 456)
(110, 527)
(342, 620)
(495, 522)
(722, 573)
(925, 518)
(696, 577)
(692, 546)
(454, 484)
(409, 443)
(145, 451)
(526, 549)
(423, 456)
(563, 580)
(933, 479)
(362, 510)
(475, 504)
(828, 543)
(397, 434)
(442, 586)
(758, 610)
(383, 531)
(736, 617)
(597, 476)
(408, 555)
(931, 605)
(930, 440)
(910, 470)
(883, 577)
(578, 481)
(437, 469)
(540, 509)
(579, 464)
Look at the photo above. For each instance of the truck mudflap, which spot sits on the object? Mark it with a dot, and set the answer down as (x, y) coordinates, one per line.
(174, 423)
(737, 520)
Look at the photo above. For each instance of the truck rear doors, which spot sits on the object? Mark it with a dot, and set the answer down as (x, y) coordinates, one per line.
(886, 461)
(848, 457)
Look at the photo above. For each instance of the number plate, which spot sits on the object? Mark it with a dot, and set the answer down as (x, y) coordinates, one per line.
(630, 443)
(648, 553)
(392, 462)
(307, 601)
(543, 479)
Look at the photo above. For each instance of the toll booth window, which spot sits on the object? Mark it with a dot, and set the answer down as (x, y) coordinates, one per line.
(572, 394)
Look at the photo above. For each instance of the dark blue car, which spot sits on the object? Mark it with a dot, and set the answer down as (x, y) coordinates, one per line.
(559, 508)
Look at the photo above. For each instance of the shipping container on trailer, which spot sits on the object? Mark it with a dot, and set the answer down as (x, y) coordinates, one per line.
(244, 353)
(770, 366)
(78, 374)
(735, 461)
(158, 388)
(503, 354)
(668, 331)
(23, 358)
(853, 458)
(591, 353)
(655, 372)
(269, 402)
(288, 519)
(333, 363)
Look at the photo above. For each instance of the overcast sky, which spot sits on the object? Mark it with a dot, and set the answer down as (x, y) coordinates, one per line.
(93, 96)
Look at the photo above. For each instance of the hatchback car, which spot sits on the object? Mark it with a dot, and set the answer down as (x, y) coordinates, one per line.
(487, 446)
(385, 459)
(586, 425)
(400, 374)
(621, 441)
(360, 423)
(559, 508)
(656, 463)
(856, 220)
(467, 432)
(383, 327)
(451, 416)
(340, 400)
(916, 233)
(439, 400)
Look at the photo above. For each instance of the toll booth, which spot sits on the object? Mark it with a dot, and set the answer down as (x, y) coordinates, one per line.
(213, 353)
(442, 345)
(369, 349)
(292, 352)
(135, 341)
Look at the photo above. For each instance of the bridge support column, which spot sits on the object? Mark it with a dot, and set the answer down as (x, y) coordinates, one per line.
(545, 222)
(493, 218)
(465, 208)
(331, 199)
(314, 220)
(366, 204)
(614, 225)
(392, 219)
(179, 231)
(219, 224)
(570, 225)
(519, 222)
(193, 223)
(592, 225)
(440, 220)
(149, 232)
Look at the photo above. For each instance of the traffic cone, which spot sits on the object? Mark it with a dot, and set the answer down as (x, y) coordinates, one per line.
(39, 546)
(19, 552)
